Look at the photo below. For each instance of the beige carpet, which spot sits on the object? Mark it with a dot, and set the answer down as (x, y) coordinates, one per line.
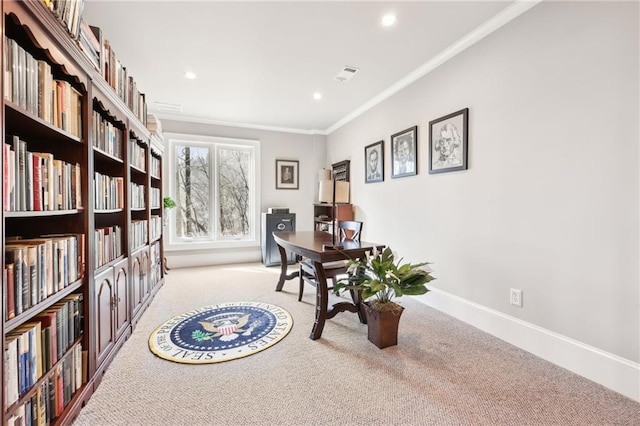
(442, 372)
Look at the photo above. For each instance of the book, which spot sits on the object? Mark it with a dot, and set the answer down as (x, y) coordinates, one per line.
(8, 77)
(16, 170)
(14, 257)
(26, 351)
(12, 392)
(28, 179)
(16, 254)
(37, 182)
(6, 178)
(10, 291)
(32, 265)
(48, 179)
(48, 321)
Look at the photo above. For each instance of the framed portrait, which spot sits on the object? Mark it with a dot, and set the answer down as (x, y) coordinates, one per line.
(448, 142)
(374, 162)
(404, 153)
(286, 174)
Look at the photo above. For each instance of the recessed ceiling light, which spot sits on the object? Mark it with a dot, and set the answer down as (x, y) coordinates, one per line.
(190, 75)
(317, 96)
(388, 20)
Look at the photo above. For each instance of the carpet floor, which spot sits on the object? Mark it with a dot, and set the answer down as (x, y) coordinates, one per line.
(442, 372)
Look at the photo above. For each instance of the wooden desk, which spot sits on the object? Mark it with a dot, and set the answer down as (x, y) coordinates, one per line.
(310, 244)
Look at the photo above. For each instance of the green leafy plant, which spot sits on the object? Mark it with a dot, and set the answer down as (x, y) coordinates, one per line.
(380, 276)
(168, 203)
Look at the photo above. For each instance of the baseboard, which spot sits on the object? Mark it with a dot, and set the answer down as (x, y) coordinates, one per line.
(611, 371)
(191, 258)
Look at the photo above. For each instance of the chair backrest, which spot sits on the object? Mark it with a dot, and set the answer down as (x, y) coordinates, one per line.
(353, 226)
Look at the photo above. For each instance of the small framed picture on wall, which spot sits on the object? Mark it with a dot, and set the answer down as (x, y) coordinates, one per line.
(287, 174)
(374, 162)
(448, 142)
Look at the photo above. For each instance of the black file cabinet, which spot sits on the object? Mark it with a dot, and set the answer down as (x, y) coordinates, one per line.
(272, 222)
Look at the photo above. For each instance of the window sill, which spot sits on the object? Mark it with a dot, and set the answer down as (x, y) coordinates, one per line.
(209, 245)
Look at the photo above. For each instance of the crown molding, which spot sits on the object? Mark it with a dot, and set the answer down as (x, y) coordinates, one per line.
(192, 119)
(491, 25)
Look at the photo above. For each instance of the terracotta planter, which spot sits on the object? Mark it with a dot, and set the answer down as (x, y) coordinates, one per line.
(383, 326)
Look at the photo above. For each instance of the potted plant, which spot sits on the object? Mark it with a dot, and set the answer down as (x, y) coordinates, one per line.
(380, 278)
(167, 204)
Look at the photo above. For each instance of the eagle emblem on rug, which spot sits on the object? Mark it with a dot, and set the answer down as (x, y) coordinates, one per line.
(222, 332)
(226, 327)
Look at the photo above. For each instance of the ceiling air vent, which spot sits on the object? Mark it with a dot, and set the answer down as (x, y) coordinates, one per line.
(346, 73)
(171, 108)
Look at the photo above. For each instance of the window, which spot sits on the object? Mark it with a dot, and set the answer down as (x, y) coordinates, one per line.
(214, 184)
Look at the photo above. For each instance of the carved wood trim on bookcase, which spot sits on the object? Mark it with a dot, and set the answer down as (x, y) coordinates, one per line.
(50, 37)
(65, 46)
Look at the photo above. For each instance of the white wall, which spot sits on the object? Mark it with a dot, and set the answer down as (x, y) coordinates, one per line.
(309, 150)
(550, 202)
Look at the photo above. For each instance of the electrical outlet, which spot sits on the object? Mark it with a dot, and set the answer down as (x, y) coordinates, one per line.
(516, 297)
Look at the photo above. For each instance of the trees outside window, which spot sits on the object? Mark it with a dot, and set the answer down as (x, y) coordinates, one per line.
(213, 185)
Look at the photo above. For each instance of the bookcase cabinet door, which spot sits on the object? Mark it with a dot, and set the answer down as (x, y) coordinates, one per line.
(121, 275)
(137, 287)
(145, 269)
(105, 333)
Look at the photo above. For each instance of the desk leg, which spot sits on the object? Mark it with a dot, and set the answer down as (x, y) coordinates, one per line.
(356, 296)
(322, 300)
(283, 269)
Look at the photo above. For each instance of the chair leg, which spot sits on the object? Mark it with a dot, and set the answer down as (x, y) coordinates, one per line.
(301, 285)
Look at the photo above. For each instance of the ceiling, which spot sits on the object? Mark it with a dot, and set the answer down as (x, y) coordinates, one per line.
(259, 63)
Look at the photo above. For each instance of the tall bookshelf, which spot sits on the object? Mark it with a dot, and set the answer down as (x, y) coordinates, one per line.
(82, 213)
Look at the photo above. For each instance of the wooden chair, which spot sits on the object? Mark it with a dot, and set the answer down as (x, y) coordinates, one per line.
(347, 230)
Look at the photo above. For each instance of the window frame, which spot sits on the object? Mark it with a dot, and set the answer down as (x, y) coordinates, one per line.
(171, 242)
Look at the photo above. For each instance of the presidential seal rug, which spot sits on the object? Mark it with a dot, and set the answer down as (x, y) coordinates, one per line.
(220, 332)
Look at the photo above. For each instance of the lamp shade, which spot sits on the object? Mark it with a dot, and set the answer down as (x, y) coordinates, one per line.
(326, 191)
(324, 174)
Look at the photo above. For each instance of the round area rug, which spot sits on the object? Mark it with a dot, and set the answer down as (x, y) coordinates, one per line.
(220, 332)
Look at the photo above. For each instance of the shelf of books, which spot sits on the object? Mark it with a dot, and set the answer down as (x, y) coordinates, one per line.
(82, 210)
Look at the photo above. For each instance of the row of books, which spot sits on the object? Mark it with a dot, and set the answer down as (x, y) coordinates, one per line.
(54, 393)
(35, 347)
(155, 227)
(124, 85)
(138, 233)
(107, 137)
(89, 43)
(109, 192)
(102, 55)
(137, 154)
(29, 83)
(155, 166)
(37, 181)
(154, 198)
(137, 196)
(69, 12)
(108, 244)
(37, 268)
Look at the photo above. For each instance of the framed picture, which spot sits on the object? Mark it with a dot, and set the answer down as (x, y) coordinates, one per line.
(374, 162)
(404, 153)
(448, 141)
(286, 174)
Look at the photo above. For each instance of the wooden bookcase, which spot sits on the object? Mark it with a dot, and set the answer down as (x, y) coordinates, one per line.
(323, 215)
(90, 235)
